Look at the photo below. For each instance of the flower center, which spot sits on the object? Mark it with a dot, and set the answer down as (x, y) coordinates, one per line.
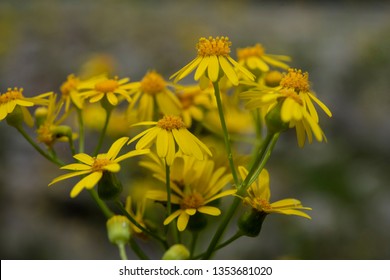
(193, 200)
(288, 93)
(171, 122)
(152, 83)
(109, 85)
(11, 94)
(45, 135)
(263, 205)
(296, 79)
(244, 53)
(69, 85)
(99, 163)
(213, 46)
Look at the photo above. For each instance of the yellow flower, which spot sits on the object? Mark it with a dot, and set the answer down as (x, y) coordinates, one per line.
(194, 101)
(213, 61)
(70, 93)
(297, 108)
(166, 133)
(97, 88)
(14, 97)
(195, 184)
(138, 215)
(259, 195)
(255, 58)
(151, 90)
(96, 166)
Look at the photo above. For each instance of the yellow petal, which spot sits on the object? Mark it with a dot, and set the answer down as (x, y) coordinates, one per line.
(228, 70)
(69, 175)
(322, 105)
(113, 167)
(96, 98)
(84, 158)
(201, 68)
(182, 221)
(171, 150)
(186, 69)
(76, 166)
(213, 68)
(148, 138)
(116, 147)
(190, 211)
(112, 98)
(171, 217)
(210, 210)
(261, 65)
(222, 194)
(162, 143)
(292, 212)
(132, 154)
(87, 182)
(275, 62)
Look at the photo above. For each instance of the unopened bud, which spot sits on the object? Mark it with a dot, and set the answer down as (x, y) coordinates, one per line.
(177, 252)
(118, 229)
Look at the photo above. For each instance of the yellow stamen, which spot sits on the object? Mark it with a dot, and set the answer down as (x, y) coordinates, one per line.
(11, 94)
(99, 163)
(45, 135)
(171, 122)
(213, 46)
(152, 83)
(257, 50)
(297, 80)
(192, 201)
(69, 85)
(262, 204)
(109, 85)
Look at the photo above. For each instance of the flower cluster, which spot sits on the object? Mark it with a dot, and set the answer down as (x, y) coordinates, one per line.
(202, 154)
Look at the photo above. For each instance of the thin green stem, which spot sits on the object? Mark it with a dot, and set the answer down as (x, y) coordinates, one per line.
(37, 148)
(194, 240)
(81, 130)
(225, 132)
(122, 251)
(101, 204)
(103, 132)
(145, 230)
(175, 232)
(137, 250)
(261, 160)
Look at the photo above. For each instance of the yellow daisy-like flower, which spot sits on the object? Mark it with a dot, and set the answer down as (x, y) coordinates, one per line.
(297, 107)
(151, 90)
(259, 194)
(195, 184)
(97, 88)
(69, 92)
(255, 58)
(96, 166)
(14, 97)
(213, 61)
(137, 215)
(195, 101)
(166, 133)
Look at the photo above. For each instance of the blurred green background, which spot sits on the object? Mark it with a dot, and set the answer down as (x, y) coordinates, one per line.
(344, 45)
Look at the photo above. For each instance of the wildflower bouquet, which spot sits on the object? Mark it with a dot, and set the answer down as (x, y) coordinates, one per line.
(183, 157)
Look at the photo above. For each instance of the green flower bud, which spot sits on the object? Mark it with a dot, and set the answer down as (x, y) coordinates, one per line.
(118, 230)
(273, 120)
(197, 222)
(109, 187)
(251, 221)
(16, 117)
(177, 252)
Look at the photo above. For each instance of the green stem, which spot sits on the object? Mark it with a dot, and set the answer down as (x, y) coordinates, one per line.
(145, 230)
(169, 204)
(122, 251)
(103, 132)
(37, 148)
(261, 160)
(101, 204)
(193, 243)
(137, 250)
(226, 136)
(81, 130)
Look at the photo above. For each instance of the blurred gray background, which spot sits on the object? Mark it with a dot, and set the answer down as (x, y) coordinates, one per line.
(344, 45)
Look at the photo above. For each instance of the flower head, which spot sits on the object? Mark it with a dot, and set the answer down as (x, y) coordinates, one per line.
(166, 133)
(96, 166)
(254, 57)
(69, 92)
(195, 184)
(296, 104)
(259, 195)
(14, 97)
(97, 88)
(213, 61)
(151, 90)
